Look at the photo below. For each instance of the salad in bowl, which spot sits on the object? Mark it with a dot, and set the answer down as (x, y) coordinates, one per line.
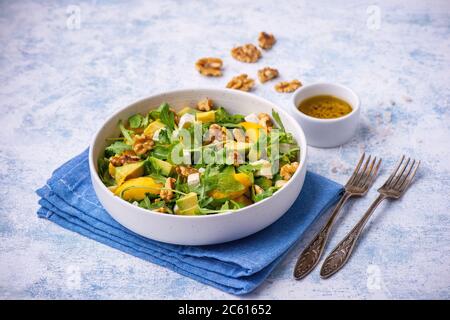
(199, 160)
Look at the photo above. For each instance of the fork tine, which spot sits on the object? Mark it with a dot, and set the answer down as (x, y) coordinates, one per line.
(355, 172)
(363, 172)
(366, 174)
(408, 181)
(388, 181)
(403, 177)
(399, 176)
(373, 174)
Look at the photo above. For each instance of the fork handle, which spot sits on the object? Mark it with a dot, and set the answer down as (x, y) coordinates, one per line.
(340, 255)
(310, 256)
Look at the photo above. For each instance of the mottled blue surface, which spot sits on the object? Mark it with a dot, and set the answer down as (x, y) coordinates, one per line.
(60, 80)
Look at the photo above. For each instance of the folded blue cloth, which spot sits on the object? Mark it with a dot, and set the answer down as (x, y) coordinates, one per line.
(237, 267)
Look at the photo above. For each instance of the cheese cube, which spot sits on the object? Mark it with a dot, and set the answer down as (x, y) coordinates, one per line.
(193, 179)
(185, 119)
(252, 117)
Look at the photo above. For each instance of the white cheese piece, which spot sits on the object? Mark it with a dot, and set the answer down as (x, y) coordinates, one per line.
(265, 170)
(193, 179)
(156, 134)
(252, 117)
(185, 119)
(186, 156)
(201, 170)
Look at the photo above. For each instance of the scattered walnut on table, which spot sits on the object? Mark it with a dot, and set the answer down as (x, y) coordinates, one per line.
(210, 67)
(288, 170)
(247, 53)
(125, 157)
(267, 74)
(205, 104)
(142, 144)
(265, 40)
(166, 194)
(241, 82)
(288, 86)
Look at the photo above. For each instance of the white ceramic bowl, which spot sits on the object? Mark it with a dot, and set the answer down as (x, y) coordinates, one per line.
(207, 229)
(327, 133)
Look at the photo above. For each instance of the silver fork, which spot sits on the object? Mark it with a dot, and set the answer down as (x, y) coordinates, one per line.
(358, 185)
(394, 187)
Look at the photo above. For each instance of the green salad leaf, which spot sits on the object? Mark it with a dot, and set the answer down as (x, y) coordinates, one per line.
(223, 117)
(116, 148)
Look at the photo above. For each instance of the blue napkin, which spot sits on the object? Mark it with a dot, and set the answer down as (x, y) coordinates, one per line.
(237, 267)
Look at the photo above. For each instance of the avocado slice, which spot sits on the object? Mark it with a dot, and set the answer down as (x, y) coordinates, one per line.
(209, 116)
(153, 127)
(263, 182)
(130, 170)
(188, 204)
(164, 166)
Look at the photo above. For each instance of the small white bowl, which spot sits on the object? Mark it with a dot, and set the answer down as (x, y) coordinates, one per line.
(327, 133)
(207, 229)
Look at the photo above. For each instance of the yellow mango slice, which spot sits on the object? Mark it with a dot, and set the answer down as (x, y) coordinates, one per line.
(135, 189)
(111, 170)
(209, 116)
(152, 127)
(243, 179)
(252, 130)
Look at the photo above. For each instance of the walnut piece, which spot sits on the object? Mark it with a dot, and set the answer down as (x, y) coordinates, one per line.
(166, 194)
(266, 41)
(205, 104)
(241, 82)
(215, 133)
(239, 135)
(267, 74)
(127, 156)
(288, 170)
(264, 120)
(161, 210)
(246, 53)
(184, 171)
(210, 67)
(142, 144)
(288, 86)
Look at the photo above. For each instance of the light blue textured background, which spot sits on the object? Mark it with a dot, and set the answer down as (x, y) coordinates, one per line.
(58, 83)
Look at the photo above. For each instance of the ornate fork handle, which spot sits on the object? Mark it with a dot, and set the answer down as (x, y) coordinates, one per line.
(312, 253)
(340, 255)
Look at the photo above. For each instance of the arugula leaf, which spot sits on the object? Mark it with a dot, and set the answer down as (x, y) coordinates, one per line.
(166, 116)
(103, 172)
(136, 121)
(277, 119)
(163, 137)
(116, 148)
(126, 133)
(265, 194)
(226, 181)
(223, 117)
(160, 152)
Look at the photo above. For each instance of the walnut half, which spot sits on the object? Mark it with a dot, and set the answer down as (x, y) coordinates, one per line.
(241, 82)
(246, 53)
(210, 67)
(288, 86)
(142, 144)
(266, 41)
(267, 74)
